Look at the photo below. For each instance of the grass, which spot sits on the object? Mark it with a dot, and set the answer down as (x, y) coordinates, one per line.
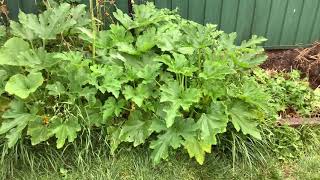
(42, 162)
(308, 167)
(237, 158)
(131, 164)
(89, 158)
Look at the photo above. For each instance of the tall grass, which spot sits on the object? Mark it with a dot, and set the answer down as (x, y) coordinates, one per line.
(126, 164)
(236, 157)
(89, 157)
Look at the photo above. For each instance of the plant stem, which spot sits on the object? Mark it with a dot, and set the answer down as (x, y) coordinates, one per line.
(179, 79)
(182, 80)
(44, 43)
(99, 14)
(199, 59)
(186, 81)
(31, 43)
(93, 26)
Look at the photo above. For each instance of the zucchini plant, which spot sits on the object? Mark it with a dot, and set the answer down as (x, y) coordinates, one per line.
(156, 79)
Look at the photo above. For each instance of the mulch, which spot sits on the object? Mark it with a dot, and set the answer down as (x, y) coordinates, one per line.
(307, 61)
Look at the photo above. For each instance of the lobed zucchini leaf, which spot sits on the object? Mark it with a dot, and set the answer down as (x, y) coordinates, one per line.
(154, 78)
(22, 86)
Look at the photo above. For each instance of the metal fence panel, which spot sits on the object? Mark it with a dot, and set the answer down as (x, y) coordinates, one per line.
(285, 23)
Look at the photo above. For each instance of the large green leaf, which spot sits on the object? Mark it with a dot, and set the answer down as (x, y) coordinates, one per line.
(112, 107)
(107, 78)
(50, 23)
(216, 70)
(161, 146)
(147, 40)
(244, 118)
(172, 112)
(199, 36)
(169, 36)
(179, 64)
(38, 130)
(37, 59)
(119, 34)
(123, 18)
(9, 53)
(136, 129)
(215, 88)
(88, 93)
(56, 89)
(145, 15)
(64, 130)
(254, 94)
(76, 74)
(14, 127)
(16, 52)
(149, 73)
(22, 86)
(127, 48)
(213, 122)
(15, 121)
(137, 95)
(253, 42)
(250, 60)
(174, 93)
(93, 115)
(172, 137)
(197, 148)
(19, 29)
(113, 137)
(178, 97)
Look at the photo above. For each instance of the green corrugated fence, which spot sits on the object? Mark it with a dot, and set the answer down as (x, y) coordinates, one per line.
(31, 6)
(285, 23)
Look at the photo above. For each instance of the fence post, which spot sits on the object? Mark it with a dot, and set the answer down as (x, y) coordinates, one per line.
(130, 10)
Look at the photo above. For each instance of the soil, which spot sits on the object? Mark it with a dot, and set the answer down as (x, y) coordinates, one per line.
(307, 61)
(280, 60)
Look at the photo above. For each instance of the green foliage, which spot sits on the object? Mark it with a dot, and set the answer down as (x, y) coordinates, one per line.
(289, 92)
(15, 121)
(291, 96)
(64, 129)
(308, 167)
(156, 78)
(3, 33)
(291, 143)
(213, 122)
(22, 86)
(132, 164)
(3, 77)
(49, 24)
(10, 51)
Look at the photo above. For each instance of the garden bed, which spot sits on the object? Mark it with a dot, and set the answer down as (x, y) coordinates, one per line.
(306, 60)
